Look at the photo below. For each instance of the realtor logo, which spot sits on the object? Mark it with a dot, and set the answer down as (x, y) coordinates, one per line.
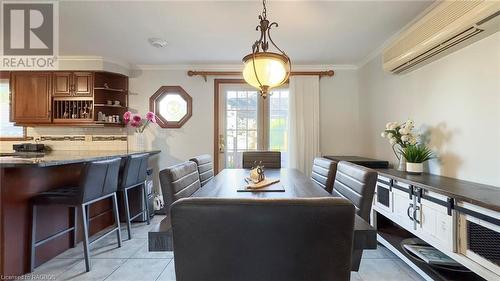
(29, 33)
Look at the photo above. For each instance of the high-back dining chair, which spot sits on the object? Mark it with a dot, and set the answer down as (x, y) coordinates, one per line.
(323, 173)
(133, 175)
(179, 181)
(205, 167)
(269, 159)
(99, 181)
(262, 239)
(357, 184)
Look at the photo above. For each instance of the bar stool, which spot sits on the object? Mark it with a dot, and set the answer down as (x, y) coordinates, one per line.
(99, 181)
(132, 176)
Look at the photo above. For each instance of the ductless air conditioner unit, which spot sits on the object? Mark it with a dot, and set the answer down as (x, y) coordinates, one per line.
(449, 26)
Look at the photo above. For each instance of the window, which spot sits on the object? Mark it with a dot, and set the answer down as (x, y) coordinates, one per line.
(7, 128)
(251, 123)
(171, 105)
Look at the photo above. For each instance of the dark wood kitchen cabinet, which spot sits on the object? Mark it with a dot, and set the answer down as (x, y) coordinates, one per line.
(68, 98)
(72, 84)
(31, 97)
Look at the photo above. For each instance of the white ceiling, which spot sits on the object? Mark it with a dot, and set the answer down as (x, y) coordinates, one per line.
(222, 32)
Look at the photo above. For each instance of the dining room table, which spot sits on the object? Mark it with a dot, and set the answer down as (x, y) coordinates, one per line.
(231, 183)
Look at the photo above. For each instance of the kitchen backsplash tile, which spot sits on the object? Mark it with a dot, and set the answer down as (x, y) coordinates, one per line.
(67, 138)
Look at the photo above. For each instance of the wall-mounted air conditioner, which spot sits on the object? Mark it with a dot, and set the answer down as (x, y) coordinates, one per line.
(449, 26)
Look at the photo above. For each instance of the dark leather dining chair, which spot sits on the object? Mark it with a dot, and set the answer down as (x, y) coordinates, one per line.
(205, 167)
(262, 239)
(270, 159)
(357, 184)
(323, 173)
(179, 181)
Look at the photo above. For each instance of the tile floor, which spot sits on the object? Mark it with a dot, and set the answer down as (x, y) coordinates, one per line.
(134, 262)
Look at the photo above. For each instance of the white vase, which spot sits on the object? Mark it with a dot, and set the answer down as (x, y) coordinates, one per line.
(139, 142)
(414, 168)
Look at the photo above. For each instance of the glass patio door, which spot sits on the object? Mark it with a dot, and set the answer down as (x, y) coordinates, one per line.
(247, 122)
(240, 122)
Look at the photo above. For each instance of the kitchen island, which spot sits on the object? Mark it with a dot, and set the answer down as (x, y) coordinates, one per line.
(23, 176)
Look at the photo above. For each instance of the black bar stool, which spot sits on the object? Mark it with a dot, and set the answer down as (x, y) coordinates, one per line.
(134, 175)
(99, 181)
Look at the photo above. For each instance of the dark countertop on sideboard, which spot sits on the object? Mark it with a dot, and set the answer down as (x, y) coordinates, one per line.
(483, 195)
(61, 157)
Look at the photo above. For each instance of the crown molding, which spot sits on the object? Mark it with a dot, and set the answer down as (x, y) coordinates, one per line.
(239, 67)
(201, 67)
(98, 59)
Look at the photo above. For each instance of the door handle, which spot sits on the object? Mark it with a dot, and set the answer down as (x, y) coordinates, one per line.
(408, 212)
(221, 143)
(417, 208)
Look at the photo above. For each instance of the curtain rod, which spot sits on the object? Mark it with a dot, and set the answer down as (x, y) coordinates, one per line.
(204, 74)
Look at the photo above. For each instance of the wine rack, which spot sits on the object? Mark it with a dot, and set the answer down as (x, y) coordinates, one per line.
(73, 110)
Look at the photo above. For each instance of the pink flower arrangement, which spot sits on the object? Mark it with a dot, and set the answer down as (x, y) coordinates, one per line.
(136, 121)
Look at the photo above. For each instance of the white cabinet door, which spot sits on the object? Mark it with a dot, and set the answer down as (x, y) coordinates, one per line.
(401, 206)
(434, 224)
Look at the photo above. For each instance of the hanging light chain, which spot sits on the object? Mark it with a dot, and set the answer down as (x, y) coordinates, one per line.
(264, 11)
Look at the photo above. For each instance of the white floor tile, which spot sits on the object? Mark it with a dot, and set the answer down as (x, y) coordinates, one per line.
(406, 268)
(380, 253)
(168, 273)
(382, 270)
(355, 276)
(109, 249)
(139, 269)
(101, 268)
(51, 269)
(139, 230)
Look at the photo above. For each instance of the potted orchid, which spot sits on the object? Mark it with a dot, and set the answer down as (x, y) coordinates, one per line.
(140, 124)
(400, 136)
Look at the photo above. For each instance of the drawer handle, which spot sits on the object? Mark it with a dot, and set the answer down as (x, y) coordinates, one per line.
(408, 211)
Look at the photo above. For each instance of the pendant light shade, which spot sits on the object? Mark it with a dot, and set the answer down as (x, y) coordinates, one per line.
(262, 69)
(267, 70)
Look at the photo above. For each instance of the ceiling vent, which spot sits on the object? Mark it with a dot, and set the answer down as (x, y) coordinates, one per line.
(449, 26)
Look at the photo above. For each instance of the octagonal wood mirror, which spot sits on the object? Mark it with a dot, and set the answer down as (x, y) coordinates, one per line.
(171, 105)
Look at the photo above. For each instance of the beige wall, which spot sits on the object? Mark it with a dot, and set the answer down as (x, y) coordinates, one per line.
(455, 99)
(339, 114)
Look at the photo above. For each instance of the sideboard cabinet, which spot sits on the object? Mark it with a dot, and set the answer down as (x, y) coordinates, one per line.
(459, 218)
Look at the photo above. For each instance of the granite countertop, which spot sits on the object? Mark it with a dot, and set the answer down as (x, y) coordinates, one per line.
(475, 193)
(61, 157)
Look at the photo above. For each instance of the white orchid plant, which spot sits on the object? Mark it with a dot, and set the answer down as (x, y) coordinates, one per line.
(400, 135)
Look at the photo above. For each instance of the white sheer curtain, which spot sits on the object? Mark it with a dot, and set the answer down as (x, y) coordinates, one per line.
(304, 122)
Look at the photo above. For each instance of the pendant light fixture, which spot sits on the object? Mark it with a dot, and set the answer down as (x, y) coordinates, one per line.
(262, 69)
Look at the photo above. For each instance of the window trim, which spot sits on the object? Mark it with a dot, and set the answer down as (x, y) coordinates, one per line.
(154, 105)
(6, 75)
